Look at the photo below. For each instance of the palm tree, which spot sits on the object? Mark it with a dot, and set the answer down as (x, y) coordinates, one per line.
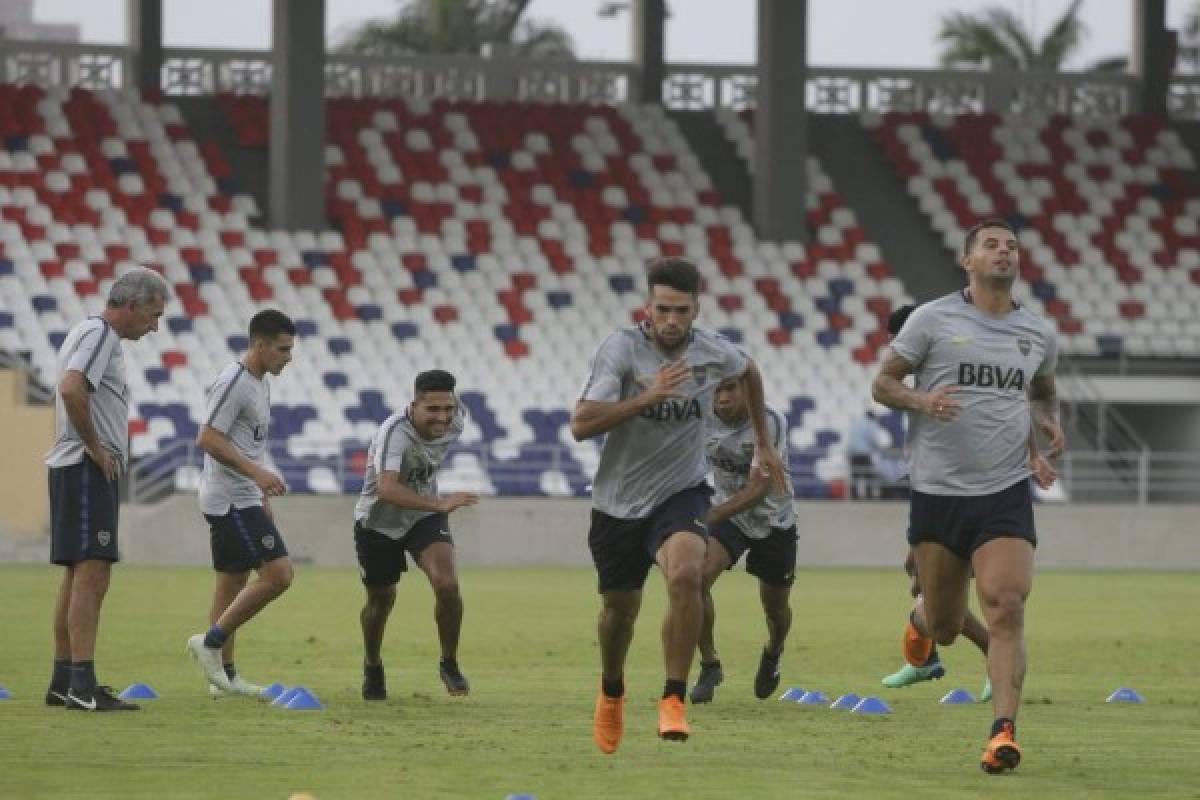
(460, 26)
(997, 37)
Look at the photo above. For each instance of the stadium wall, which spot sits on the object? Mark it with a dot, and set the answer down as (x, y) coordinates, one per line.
(514, 531)
(26, 431)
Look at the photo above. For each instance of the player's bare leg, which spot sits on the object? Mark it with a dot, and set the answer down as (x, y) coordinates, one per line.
(89, 585)
(227, 586)
(944, 580)
(778, 613)
(274, 578)
(373, 619)
(618, 613)
(716, 561)
(681, 559)
(437, 562)
(1003, 580)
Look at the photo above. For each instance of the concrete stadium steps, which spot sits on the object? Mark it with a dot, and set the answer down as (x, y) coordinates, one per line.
(719, 157)
(891, 219)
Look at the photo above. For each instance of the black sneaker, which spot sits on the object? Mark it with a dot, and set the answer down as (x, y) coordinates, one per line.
(374, 685)
(456, 682)
(766, 680)
(56, 697)
(708, 681)
(101, 699)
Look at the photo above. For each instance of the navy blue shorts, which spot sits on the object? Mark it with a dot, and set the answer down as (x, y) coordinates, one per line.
(963, 524)
(772, 560)
(84, 506)
(243, 539)
(623, 550)
(382, 560)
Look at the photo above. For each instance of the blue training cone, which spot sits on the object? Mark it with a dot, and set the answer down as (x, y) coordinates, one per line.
(1125, 695)
(871, 705)
(520, 797)
(846, 702)
(5, 694)
(286, 696)
(139, 691)
(304, 700)
(813, 699)
(793, 695)
(957, 697)
(273, 691)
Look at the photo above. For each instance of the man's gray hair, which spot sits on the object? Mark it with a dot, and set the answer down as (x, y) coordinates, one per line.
(138, 286)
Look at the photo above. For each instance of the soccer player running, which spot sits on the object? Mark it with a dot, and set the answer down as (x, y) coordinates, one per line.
(648, 389)
(400, 512)
(982, 364)
(749, 515)
(921, 649)
(90, 450)
(235, 491)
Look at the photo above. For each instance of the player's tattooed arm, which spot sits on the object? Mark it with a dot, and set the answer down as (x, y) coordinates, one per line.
(888, 387)
(1043, 400)
(594, 417)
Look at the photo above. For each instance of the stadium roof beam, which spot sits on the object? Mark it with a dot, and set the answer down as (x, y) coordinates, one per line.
(780, 125)
(1153, 54)
(144, 27)
(297, 149)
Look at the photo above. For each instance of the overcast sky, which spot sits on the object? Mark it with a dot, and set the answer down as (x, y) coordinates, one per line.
(898, 33)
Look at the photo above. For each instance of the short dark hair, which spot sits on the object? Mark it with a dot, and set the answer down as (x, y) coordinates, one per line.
(898, 317)
(676, 273)
(271, 323)
(990, 222)
(434, 380)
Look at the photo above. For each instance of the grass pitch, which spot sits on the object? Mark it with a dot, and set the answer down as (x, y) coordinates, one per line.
(529, 650)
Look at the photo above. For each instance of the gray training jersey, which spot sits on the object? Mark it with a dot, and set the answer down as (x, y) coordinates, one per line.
(239, 406)
(94, 349)
(993, 360)
(397, 447)
(730, 451)
(650, 457)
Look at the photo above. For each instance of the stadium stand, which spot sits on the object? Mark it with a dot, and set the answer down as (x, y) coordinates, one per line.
(503, 240)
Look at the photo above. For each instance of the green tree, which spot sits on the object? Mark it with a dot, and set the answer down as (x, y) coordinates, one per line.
(459, 26)
(998, 37)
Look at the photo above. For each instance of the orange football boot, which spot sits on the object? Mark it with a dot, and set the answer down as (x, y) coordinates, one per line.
(916, 647)
(672, 719)
(1002, 753)
(608, 723)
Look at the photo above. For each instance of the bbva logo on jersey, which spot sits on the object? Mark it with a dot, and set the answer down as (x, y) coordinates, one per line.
(987, 376)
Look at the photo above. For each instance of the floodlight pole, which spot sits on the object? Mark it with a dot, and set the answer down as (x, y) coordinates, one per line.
(649, 20)
(1153, 54)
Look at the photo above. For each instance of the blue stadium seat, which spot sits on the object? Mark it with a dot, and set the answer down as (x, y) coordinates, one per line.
(507, 332)
(790, 320)
(829, 338)
(336, 380)
(122, 166)
(424, 279)
(483, 416)
(464, 262)
(827, 305)
(6, 267)
(827, 438)
(238, 342)
(43, 303)
(558, 299)
(306, 327)
(621, 283)
(314, 258)
(171, 202)
(339, 345)
(1110, 345)
(157, 375)
(202, 273)
(6, 319)
(394, 208)
(404, 330)
(56, 338)
(369, 312)
(840, 287)
(179, 325)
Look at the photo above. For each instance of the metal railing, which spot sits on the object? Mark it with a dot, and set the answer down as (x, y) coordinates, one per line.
(35, 391)
(1083, 475)
(195, 71)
